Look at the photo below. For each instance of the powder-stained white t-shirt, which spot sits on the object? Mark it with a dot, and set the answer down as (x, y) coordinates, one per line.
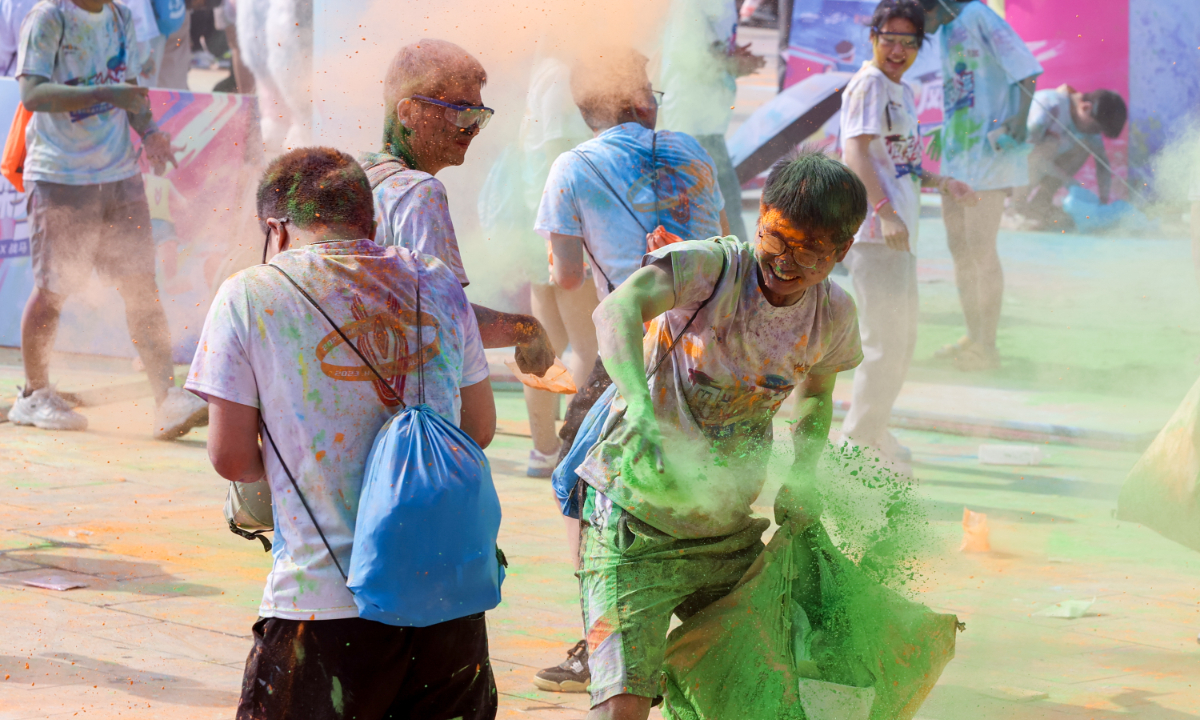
(614, 202)
(264, 346)
(72, 46)
(412, 212)
(872, 104)
(716, 394)
(983, 59)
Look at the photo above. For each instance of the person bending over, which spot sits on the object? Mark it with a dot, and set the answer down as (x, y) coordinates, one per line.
(1066, 127)
(684, 452)
(77, 67)
(616, 196)
(268, 361)
(433, 109)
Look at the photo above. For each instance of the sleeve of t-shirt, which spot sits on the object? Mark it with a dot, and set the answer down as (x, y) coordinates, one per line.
(558, 211)
(475, 364)
(136, 47)
(1009, 49)
(422, 219)
(696, 267)
(862, 108)
(843, 346)
(40, 36)
(221, 366)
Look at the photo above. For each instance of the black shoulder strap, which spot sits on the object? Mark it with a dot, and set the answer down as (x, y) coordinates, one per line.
(345, 339)
(662, 358)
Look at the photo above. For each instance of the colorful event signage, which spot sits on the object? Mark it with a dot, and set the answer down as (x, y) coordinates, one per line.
(198, 215)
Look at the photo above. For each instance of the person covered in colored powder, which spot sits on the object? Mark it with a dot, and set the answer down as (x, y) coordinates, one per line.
(268, 358)
(77, 71)
(1066, 127)
(735, 328)
(701, 64)
(433, 109)
(616, 196)
(881, 142)
(989, 78)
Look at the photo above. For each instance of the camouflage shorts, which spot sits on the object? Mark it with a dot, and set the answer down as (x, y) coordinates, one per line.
(634, 578)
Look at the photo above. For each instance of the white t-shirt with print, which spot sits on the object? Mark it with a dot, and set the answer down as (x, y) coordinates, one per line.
(264, 346)
(716, 394)
(580, 201)
(873, 104)
(71, 46)
(412, 211)
(983, 59)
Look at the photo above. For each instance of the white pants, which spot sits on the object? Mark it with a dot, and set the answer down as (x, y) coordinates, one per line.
(885, 288)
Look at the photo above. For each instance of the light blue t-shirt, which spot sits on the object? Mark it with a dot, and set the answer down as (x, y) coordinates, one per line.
(71, 46)
(983, 59)
(613, 205)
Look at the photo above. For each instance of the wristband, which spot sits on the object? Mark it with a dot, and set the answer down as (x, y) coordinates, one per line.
(880, 204)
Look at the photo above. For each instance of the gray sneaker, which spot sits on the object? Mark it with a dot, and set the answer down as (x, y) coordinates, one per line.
(569, 676)
(45, 409)
(178, 414)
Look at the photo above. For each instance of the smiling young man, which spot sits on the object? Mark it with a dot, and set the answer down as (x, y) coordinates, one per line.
(684, 452)
(433, 109)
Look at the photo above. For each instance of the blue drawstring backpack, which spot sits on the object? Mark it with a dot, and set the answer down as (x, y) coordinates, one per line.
(428, 516)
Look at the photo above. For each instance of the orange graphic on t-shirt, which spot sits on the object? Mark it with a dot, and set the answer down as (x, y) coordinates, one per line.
(383, 339)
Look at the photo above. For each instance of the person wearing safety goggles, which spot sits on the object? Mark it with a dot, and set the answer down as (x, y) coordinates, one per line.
(881, 141)
(433, 109)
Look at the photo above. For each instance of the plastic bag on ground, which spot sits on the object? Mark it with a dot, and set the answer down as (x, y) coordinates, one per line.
(1162, 491)
(751, 655)
(428, 516)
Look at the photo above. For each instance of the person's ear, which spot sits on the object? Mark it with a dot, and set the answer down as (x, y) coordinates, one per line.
(281, 240)
(845, 249)
(404, 110)
(1085, 108)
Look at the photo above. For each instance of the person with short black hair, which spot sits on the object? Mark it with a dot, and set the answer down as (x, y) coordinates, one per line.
(1066, 127)
(268, 358)
(881, 141)
(433, 109)
(735, 328)
(988, 77)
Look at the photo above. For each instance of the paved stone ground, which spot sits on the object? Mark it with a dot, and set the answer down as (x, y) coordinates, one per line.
(162, 627)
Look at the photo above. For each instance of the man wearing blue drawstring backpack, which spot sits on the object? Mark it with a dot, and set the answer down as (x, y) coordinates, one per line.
(266, 353)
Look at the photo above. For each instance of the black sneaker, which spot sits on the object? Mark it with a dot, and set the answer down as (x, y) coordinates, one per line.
(571, 675)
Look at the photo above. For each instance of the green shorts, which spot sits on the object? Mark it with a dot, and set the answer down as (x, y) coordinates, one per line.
(634, 577)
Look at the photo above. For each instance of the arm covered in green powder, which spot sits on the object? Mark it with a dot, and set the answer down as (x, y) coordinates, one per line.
(798, 501)
(648, 293)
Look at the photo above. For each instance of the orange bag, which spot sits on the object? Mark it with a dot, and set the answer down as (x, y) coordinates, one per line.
(12, 165)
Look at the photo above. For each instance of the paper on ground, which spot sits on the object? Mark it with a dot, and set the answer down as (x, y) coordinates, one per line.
(822, 700)
(54, 582)
(1070, 609)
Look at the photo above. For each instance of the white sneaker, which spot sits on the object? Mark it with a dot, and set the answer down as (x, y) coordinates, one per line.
(179, 413)
(541, 466)
(45, 409)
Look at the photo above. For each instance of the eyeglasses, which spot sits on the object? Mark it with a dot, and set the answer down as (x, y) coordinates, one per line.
(802, 256)
(907, 41)
(658, 96)
(463, 117)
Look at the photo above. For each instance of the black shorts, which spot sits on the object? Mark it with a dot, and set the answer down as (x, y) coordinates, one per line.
(74, 229)
(355, 668)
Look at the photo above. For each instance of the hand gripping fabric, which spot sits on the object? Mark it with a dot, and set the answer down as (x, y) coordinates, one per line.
(424, 547)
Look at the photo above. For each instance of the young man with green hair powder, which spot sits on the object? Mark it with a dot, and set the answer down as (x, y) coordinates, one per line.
(683, 453)
(433, 109)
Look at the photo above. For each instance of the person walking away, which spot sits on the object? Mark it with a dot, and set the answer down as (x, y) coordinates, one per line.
(881, 142)
(736, 328)
(614, 195)
(87, 206)
(433, 109)
(1066, 127)
(268, 362)
(701, 64)
(989, 78)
